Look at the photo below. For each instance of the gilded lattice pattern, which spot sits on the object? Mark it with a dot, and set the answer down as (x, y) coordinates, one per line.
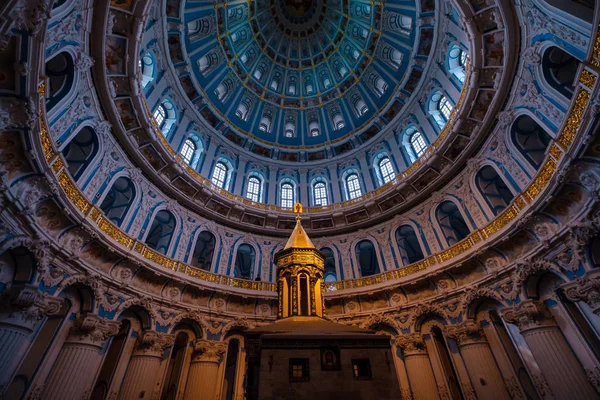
(555, 151)
(107, 227)
(574, 120)
(541, 180)
(501, 221)
(73, 193)
(587, 78)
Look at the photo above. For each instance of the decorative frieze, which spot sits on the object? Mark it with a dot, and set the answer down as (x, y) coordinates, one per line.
(92, 329)
(208, 350)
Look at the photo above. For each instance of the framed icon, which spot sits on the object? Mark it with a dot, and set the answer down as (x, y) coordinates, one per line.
(330, 358)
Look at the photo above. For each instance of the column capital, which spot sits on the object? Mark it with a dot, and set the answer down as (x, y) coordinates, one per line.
(209, 350)
(92, 329)
(411, 344)
(467, 332)
(586, 289)
(25, 303)
(153, 343)
(528, 315)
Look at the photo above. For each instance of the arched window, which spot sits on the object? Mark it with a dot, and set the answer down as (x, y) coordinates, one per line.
(220, 174)
(320, 193)
(204, 251)
(164, 115)
(80, 152)
(440, 109)
(244, 261)
(530, 139)
(231, 371)
(560, 70)
(457, 62)
(187, 151)
(367, 258)
(147, 67)
(451, 222)
(119, 199)
(493, 189)
(417, 144)
(287, 195)
(408, 244)
(161, 231)
(329, 272)
(353, 186)
(386, 171)
(60, 71)
(254, 189)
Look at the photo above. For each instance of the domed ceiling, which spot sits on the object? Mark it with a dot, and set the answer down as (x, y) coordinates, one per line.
(292, 73)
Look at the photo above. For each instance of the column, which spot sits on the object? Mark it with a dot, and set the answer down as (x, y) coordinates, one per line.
(405, 391)
(21, 309)
(564, 375)
(204, 370)
(418, 367)
(141, 377)
(586, 289)
(479, 360)
(75, 370)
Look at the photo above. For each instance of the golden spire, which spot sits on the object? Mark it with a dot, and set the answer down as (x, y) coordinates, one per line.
(299, 239)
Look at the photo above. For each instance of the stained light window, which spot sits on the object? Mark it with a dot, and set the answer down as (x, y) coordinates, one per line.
(187, 151)
(445, 107)
(287, 195)
(417, 142)
(386, 170)
(253, 191)
(219, 175)
(320, 194)
(353, 186)
(159, 115)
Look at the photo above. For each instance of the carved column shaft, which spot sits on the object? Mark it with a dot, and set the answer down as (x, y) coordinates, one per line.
(479, 360)
(141, 377)
(313, 302)
(418, 367)
(73, 374)
(22, 307)
(562, 371)
(204, 370)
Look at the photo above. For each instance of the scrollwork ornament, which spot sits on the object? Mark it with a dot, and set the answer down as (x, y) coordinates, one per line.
(513, 388)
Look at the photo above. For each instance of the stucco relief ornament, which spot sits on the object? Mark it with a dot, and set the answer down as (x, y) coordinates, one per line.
(28, 304)
(593, 376)
(567, 261)
(513, 388)
(208, 350)
(505, 118)
(531, 55)
(541, 386)
(92, 329)
(586, 289)
(151, 342)
(12, 113)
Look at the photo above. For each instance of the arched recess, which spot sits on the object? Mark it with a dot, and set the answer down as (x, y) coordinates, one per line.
(330, 271)
(80, 151)
(451, 222)
(204, 251)
(366, 255)
(46, 337)
(560, 69)
(530, 140)
(148, 69)
(570, 11)
(117, 202)
(493, 189)
(161, 231)
(233, 369)
(19, 266)
(185, 332)
(245, 260)
(408, 245)
(442, 358)
(60, 71)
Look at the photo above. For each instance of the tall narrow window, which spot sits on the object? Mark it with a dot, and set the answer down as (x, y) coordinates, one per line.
(452, 222)
(80, 152)
(353, 187)
(445, 107)
(204, 251)
(160, 114)
(161, 231)
(287, 195)
(530, 139)
(386, 170)
(118, 200)
(367, 258)
(253, 191)
(493, 189)
(219, 174)
(187, 151)
(417, 143)
(320, 194)
(244, 261)
(408, 244)
(147, 69)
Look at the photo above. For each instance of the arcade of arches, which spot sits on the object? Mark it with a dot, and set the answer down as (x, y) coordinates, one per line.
(163, 164)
